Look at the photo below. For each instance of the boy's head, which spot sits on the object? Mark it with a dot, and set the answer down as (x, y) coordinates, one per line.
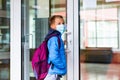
(56, 20)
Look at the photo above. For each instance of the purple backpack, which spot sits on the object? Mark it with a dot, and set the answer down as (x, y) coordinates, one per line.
(40, 64)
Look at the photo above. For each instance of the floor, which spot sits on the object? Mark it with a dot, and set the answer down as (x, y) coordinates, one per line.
(93, 71)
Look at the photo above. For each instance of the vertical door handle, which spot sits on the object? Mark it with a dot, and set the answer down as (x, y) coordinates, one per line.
(68, 33)
(32, 38)
(67, 50)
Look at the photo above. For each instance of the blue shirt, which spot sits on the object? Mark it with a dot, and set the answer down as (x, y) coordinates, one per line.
(57, 56)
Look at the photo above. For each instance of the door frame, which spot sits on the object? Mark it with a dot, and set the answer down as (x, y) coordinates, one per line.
(15, 39)
(73, 40)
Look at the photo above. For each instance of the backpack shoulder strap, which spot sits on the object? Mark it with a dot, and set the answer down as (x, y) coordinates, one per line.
(58, 41)
(56, 36)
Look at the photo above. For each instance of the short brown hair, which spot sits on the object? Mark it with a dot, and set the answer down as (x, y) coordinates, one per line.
(52, 18)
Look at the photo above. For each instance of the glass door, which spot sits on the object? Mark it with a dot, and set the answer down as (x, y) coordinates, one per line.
(99, 39)
(4, 39)
(35, 25)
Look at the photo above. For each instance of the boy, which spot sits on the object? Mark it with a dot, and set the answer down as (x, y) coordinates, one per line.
(56, 56)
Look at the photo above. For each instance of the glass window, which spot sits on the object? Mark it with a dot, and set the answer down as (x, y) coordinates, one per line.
(100, 39)
(4, 39)
(101, 23)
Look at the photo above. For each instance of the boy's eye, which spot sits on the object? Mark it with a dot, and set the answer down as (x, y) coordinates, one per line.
(60, 23)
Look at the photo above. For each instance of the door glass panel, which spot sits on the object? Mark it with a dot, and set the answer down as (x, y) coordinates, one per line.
(100, 39)
(4, 39)
(35, 26)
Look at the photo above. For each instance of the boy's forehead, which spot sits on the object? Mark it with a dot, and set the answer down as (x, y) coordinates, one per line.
(59, 19)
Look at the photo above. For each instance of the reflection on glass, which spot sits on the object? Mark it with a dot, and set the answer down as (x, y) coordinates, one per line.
(100, 40)
(101, 22)
(4, 39)
(58, 7)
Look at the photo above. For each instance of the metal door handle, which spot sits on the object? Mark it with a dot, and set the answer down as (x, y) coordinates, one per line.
(68, 33)
(67, 51)
(28, 39)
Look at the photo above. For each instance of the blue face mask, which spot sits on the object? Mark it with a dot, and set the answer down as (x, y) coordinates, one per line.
(61, 28)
